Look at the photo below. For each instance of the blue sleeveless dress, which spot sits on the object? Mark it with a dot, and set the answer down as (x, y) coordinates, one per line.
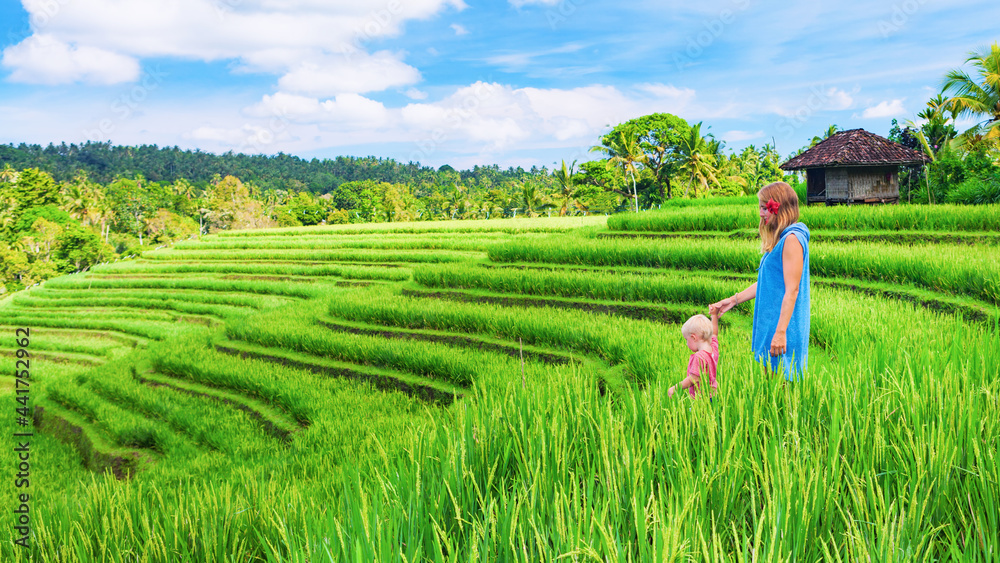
(767, 309)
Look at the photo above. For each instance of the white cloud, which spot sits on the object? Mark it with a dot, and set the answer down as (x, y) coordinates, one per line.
(43, 59)
(459, 29)
(839, 99)
(522, 59)
(736, 136)
(344, 109)
(501, 115)
(884, 109)
(520, 3)
(415, 94)
(265, 35)
(357, 74)
(816, 100)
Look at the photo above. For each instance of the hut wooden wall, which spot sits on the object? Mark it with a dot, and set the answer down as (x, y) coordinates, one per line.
(873, 182)
(837, 186)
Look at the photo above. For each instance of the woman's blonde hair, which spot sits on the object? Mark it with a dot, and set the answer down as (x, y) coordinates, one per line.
(788, 213)
(700, 325)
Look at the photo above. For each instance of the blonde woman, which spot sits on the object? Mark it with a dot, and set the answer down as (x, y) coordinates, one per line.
(781, 295)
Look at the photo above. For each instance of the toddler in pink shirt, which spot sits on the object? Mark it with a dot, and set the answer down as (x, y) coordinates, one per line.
(702, 337)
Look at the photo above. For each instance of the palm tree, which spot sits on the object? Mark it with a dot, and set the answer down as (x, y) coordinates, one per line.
(698, 160)
(75, 199)
(184, 188)
(830, 131)
(8, 174)
(532, 198)
(8, 209)
(975, 99)
(567, 186)
(625, 152)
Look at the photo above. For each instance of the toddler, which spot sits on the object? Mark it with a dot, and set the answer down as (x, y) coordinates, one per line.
(702, 337)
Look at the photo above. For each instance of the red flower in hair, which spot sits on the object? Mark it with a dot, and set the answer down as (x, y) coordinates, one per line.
(772, 206)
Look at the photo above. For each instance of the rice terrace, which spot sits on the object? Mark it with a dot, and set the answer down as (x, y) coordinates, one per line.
(452, 281)
(495, 390)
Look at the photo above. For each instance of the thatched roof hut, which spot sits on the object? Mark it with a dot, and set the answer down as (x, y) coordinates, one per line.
(854, 167)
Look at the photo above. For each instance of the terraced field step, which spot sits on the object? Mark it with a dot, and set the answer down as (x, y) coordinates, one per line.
(329, 280)
(323, 256)
(819, 235)
(95, 452)
(122, 338)
(669, 314)
(178, 309)
(970, 308)
(143, 329)
(509, 348)
(387, 380)
(274, 422)
(128, 296)
(58, 356)
(65, 316)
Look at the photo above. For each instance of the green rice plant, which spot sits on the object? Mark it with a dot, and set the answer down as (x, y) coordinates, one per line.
(513, 226)
(824, 235)
(966, 271)
(681, 202)
(205, 304)
(346, 255)
(219, 427)
(671, 288)
(856, 218)
(302, 290)
(43, 340)
(144, 327)
(295, 329)
(125, 427)
(857, 461)
(413, 242)
(289, 269)
(641, 345)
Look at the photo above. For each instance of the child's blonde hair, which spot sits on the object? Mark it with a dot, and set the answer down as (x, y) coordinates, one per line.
(700, 325)
(788, 213)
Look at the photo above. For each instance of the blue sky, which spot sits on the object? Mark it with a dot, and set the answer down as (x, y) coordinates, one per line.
(518, 83)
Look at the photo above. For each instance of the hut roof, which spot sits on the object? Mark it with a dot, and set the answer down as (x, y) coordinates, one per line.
(855, 147)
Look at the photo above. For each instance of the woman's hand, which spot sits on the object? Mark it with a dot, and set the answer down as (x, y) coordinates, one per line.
(722, 306)
(778, 344)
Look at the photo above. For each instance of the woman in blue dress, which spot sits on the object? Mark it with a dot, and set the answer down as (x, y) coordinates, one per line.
(781, 295)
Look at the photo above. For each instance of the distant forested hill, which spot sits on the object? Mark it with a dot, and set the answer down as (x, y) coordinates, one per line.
(103, 162)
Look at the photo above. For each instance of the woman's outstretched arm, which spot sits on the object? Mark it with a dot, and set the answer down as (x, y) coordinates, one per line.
(747, 294)
(791, 264)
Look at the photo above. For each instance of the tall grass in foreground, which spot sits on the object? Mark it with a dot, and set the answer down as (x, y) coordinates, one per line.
(859, 218)
(891, 459)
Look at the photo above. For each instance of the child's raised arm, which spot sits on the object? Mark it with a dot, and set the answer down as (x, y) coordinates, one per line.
(684, 384)
(715, 321)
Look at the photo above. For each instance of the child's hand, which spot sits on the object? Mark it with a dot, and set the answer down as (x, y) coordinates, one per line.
(713, 309)
(671, 391)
